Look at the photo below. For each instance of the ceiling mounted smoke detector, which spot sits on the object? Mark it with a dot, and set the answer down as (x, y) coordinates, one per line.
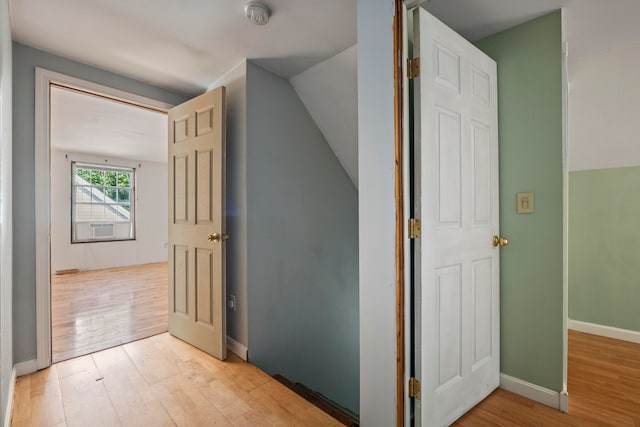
(257, 13)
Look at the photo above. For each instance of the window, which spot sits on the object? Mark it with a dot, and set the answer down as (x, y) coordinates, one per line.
(102, 203)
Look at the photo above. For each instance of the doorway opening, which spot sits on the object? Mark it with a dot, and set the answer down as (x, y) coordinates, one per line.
(100, 165)
(108, 222)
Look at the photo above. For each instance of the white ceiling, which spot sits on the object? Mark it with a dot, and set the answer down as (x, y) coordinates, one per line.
(591, 26)
(82, 123)
(185, 45)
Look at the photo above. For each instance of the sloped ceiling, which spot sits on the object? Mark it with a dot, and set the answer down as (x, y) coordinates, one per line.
(329, 90)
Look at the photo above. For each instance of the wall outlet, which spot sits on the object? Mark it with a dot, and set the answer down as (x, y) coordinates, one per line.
(231, 302)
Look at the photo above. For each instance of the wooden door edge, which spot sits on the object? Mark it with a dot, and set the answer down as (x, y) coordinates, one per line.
(398, 34)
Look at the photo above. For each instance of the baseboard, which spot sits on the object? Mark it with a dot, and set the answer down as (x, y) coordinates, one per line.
(12, 387)
(240, 349)
(26, 367)
(605, 331)
(534, 392)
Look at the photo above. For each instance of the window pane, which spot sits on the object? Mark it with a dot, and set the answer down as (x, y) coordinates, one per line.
(124, 179)
(97, 177)
(124, 195)
(111, 195)
(83, 194)
(97, 195)
(97, 213)
(111, 178)
(85, 174)
(83, 213)
(111, 213)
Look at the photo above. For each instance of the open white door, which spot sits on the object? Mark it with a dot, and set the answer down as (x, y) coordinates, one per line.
(457, 200)
(196, 222)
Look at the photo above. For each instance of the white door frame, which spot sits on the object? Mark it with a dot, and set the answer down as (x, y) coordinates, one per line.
(44, 78)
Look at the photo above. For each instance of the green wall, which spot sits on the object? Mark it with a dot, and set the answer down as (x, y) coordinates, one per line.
(604, 247)
(530, 131)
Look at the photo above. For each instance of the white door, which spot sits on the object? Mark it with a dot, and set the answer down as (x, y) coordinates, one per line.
(196, 222)
(457, 200)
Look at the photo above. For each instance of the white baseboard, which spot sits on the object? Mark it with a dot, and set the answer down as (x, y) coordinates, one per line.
(554, 399)
(240, 349)
(605, 331)
(564, 402)
(12, 386)
(26, 367)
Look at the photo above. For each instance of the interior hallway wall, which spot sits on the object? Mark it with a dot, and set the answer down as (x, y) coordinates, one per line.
(302, 225)
(529, 58)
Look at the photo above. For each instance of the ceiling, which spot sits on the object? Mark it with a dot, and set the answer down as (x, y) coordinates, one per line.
(591, 26)
(82, 123)
(185, 45)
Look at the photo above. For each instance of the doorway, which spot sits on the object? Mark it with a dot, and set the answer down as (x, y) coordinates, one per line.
(89, 202)
(108, 222)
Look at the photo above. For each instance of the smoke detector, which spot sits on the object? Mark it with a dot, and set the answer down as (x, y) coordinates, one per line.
(257, 13)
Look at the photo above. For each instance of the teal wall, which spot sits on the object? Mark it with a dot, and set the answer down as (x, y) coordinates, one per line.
(302, 246)
(604, 247)
(530, 131)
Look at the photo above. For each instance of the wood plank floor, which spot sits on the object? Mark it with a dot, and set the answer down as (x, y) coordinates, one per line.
(158, 381)
(603, 385)
(94, 310)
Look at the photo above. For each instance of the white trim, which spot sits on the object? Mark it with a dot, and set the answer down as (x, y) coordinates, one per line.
(565, 202)
(532, 391)
(27, 367)
(564, 401)
(605, 331)
(239, 349)
(12, 386)
(42, 192)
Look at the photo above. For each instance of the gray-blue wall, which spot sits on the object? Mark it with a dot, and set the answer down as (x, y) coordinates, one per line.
(6, 340)
(25, 59)
(377, 213)
(302, 221)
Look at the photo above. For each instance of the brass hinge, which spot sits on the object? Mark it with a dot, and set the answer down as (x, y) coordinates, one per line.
(414, 388)
(414, 228)
(413, 68)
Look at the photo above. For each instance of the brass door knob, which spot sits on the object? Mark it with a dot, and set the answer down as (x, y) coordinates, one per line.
(500, 241)
(216, 237)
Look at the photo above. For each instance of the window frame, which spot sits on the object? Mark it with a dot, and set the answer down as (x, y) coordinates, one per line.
(132, 200)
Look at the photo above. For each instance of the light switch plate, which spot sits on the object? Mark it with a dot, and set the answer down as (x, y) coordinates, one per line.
(525, 203)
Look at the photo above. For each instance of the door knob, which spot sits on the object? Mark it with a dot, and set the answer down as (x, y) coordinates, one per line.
(500, 241)
(216, 237)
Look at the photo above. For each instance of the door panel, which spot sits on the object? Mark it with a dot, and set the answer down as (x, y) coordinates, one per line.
(456, 196)
(196, 211)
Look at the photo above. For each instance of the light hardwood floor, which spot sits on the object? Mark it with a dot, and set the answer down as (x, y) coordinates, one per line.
(94, 310)
(603, 385)
(163, 381)
(158, 381)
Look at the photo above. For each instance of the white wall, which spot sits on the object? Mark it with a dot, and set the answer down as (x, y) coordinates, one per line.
(6, 219)
(376, 213)
(329, 90)
(604, 108)
(151, 218)
(235, 82)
